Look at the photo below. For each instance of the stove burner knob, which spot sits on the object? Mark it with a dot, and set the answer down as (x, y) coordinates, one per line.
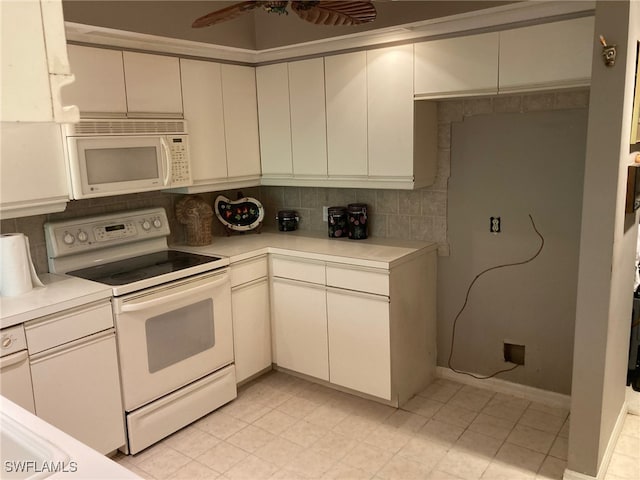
(146, 225)
(82, 236)
(68, 238)
(157, 223)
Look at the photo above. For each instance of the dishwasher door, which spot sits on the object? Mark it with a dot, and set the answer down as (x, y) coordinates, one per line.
(15, 379)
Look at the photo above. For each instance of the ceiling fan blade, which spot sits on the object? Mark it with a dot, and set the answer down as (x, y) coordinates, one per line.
(335, 12)
(225, 14)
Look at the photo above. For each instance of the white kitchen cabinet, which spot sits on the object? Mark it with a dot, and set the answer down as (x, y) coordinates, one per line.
(547, 56)
(459, 66)
(346, 104)
(153, 84)
(221, 113)
(99, 86)
(251, 317)
(203, 111)
(308, 119)
(241, 122)
(359, 341)
(376, 334)
(272, 84)
(402, 134)
(34, 62)
(300, 319)
(34, 175)
(74, 369)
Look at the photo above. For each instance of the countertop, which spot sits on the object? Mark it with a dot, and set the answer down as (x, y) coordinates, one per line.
(83, 462)
(371, 252)
(60, 292)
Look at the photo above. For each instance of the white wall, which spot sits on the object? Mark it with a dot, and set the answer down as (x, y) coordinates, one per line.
(607, 249)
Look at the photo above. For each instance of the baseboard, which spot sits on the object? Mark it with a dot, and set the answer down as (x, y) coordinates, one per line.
(608, 453)
(517, 390)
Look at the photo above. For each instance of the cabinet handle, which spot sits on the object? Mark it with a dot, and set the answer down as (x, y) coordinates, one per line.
(356, 293)
(67, 347)
(55, 317)
(249, 284)
(11, 360)
(301, 283)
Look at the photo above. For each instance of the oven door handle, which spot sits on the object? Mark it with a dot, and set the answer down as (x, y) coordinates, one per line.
(165, 298)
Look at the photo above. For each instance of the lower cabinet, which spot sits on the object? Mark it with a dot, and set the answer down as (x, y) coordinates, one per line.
(251, 317)
(359, 353)
(76, 385)
(300, 317)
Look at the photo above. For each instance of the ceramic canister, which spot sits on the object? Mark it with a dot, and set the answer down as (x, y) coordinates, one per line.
(287, 220)
(358, 222)
(337, 222)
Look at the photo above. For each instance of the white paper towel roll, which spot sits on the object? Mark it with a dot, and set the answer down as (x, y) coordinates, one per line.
(17, 273)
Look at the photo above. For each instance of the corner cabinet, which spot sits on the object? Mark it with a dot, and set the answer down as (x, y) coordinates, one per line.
(220, 107)
(34, 62)
(356, 327)
(547, 56)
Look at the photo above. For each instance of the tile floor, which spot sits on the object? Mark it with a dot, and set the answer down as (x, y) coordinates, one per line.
(282, 427)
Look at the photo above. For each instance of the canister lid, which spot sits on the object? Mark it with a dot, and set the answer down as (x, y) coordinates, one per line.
(357, 207)
(336, 210)
(287, 214)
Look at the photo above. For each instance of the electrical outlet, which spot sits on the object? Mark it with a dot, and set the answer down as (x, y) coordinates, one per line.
(325, 214)
(514, 353)
(494, 225)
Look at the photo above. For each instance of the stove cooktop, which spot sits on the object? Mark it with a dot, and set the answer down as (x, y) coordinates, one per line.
(135, 269)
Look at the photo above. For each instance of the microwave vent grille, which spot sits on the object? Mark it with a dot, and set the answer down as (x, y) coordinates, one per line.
(128, 127)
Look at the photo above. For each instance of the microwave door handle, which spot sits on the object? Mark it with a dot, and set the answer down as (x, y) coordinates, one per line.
(166, 156)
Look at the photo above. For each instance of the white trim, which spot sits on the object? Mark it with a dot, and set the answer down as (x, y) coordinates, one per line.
(608, 453)
(491, 18)
(534, 394)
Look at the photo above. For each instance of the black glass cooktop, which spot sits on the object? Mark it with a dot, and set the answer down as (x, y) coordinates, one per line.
(142, 267)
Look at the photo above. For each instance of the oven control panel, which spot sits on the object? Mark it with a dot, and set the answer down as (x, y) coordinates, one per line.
(69, 237)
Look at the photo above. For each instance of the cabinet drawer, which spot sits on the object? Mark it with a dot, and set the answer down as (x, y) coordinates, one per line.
(304, 270)
(58, 329)
(248, 270)
(359, 279)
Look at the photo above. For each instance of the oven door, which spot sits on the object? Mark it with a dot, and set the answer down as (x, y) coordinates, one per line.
(171, 335)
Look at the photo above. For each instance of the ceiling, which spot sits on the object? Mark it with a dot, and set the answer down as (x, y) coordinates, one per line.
(257, 30)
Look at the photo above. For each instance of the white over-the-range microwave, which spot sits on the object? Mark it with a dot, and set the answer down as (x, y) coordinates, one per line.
(119, 156)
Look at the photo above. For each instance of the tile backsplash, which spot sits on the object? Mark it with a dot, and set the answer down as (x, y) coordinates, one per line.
(416, 214)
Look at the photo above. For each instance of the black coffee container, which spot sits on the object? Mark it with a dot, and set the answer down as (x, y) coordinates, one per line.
(287, 220)
(337, 222)
(358, 221)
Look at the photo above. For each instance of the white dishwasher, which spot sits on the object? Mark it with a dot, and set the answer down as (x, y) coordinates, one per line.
(74, 368)
(15, 375)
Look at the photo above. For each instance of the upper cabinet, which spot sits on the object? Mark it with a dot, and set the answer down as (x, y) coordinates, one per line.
(34, 175)
(459, 66)
(115, 83)
(99, 87)
(34, 62)
(551, 55)
(221, 113)
(346, 99)
(153, 84)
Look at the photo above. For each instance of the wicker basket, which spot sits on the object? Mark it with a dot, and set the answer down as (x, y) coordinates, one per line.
(197, 216)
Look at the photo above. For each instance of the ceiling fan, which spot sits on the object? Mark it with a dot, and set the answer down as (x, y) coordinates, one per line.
(317, 12)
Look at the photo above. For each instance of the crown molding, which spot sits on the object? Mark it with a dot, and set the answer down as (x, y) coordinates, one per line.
(497, 18)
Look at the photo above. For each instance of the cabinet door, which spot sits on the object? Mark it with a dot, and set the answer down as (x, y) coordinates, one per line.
(251, 328)
(153, 83)
(300, 314)
(77, 389)
(99, 84)
(457, 66)
(202, 97)
(346, 91)
(308, 119)
(544, 56)
(359, 343)
(272, 82)
(34, 176)
(241, 120)
(390, 111)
